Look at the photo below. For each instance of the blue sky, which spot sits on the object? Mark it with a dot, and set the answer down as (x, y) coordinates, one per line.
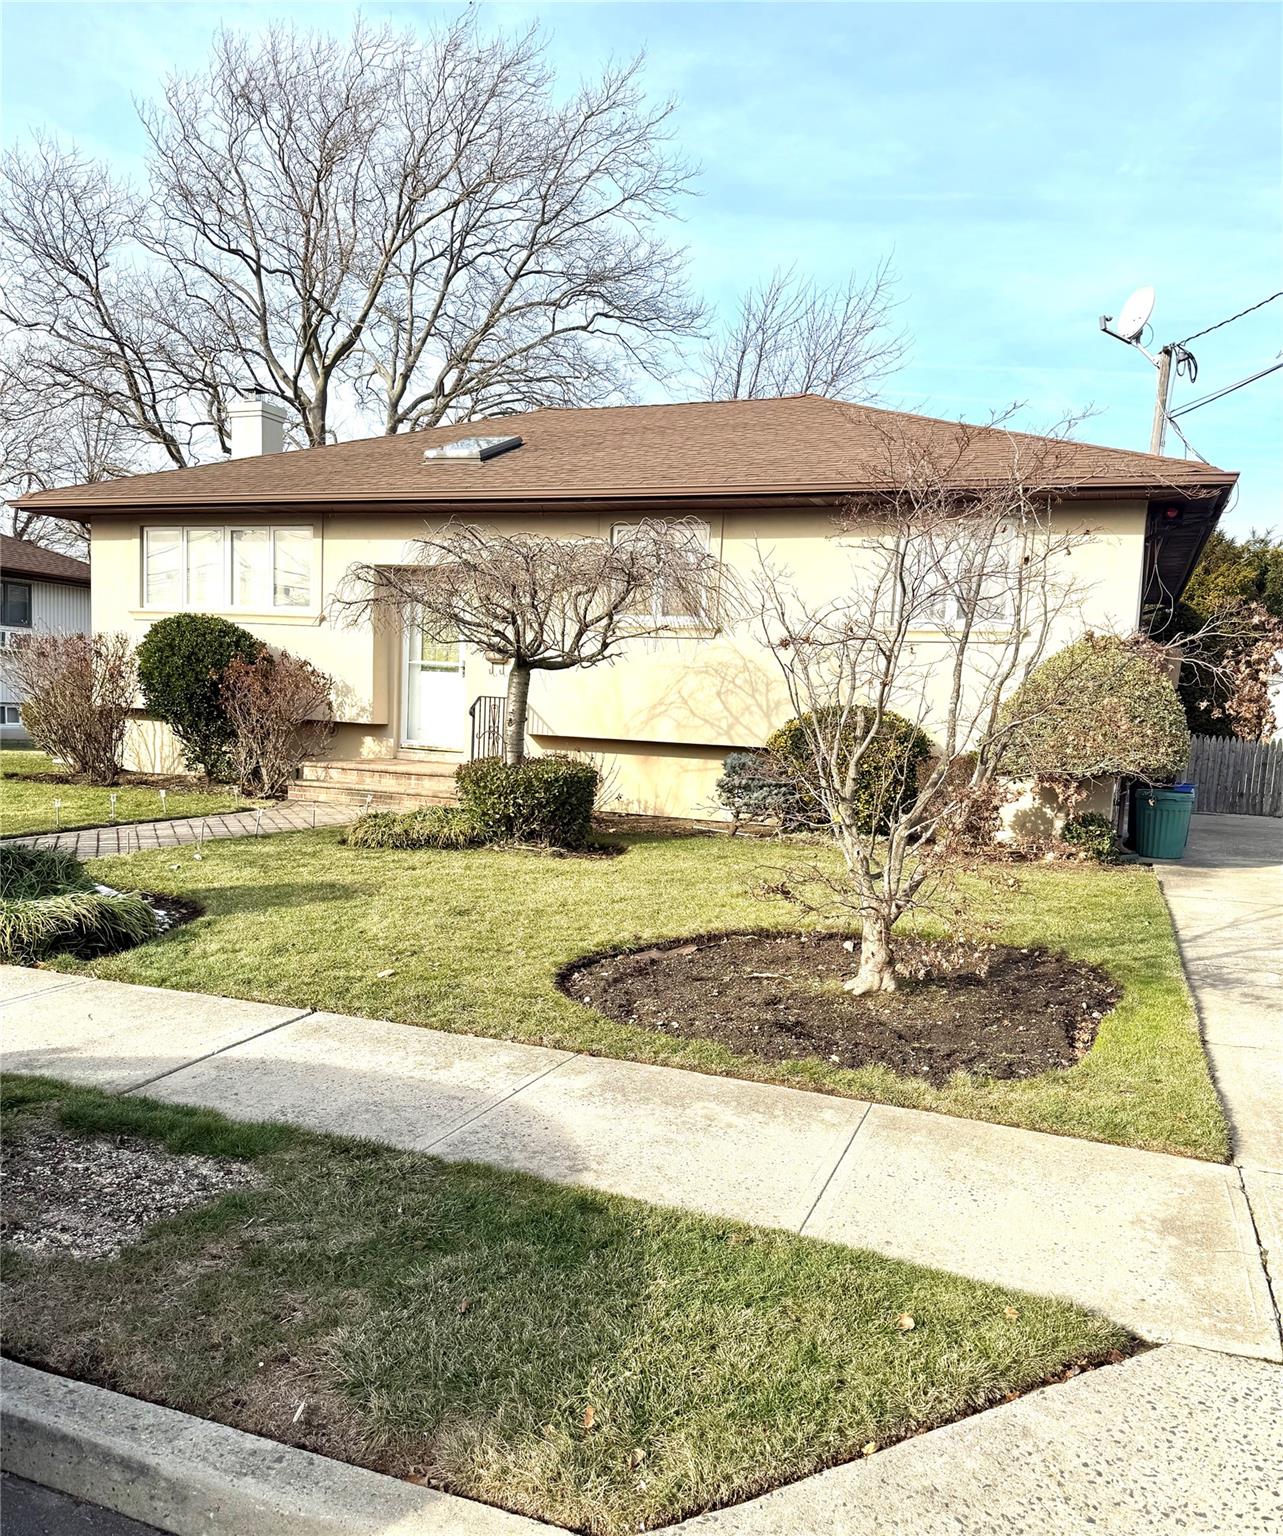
(1027, 166)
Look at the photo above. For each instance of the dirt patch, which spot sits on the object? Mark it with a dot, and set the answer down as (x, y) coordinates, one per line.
(1002, 1013)
(87, 1199)
(173, 911)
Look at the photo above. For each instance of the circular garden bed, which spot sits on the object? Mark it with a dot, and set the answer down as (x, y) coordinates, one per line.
(1000, 1012)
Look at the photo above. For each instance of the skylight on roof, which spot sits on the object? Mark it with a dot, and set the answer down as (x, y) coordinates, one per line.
(478, 449)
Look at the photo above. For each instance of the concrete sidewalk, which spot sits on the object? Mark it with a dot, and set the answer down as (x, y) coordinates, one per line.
(1163, 1244)
(140, 836)
(1226, 900)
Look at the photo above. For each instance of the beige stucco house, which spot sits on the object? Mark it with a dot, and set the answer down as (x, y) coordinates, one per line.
(266, 537)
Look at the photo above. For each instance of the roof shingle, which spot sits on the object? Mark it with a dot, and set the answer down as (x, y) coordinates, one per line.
(797, 445)
(20, 557)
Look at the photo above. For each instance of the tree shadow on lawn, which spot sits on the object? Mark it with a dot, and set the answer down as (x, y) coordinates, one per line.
(576, 1356)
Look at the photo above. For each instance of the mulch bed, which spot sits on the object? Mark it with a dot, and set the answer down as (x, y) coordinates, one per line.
(88, 1198)
(999, 1013)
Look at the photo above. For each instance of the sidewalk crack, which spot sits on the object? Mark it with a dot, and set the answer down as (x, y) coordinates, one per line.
(833, 1172)
(209, 1055)
(1262, 1255)
(487, 1109)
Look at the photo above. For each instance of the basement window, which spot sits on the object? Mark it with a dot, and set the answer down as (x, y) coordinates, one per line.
(477, 449)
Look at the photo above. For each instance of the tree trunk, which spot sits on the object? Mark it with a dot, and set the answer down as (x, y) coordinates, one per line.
(877, 965)
(514, 728)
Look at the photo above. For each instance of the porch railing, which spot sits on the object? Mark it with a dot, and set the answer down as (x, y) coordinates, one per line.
(487, 714)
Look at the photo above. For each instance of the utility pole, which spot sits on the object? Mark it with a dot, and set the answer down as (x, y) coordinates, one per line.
(1159, 430)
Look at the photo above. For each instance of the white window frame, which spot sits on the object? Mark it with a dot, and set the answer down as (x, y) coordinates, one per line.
(671, 620)
(947, 613)
(227, 598)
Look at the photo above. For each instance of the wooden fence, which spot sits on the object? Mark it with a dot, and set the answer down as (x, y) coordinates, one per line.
(1241, 778)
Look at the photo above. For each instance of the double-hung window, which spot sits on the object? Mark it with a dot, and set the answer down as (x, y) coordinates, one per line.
(251, 568)
(673, 604)
(970, 575)
(15, 610)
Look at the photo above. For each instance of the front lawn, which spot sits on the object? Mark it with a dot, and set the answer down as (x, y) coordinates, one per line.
(471, 941)
(584, 1359)
(30, 783)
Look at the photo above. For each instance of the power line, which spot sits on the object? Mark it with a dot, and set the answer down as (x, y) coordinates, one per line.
(1209, 328)
(1228, 390)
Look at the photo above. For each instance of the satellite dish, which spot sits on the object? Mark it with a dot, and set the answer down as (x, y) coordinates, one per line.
(1134, 315)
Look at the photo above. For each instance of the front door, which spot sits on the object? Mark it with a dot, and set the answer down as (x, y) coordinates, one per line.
(435, 696)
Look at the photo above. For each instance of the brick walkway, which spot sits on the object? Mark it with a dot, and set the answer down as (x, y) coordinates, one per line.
(137, 837)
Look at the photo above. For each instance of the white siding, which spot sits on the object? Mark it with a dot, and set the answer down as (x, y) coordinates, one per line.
(57, 607)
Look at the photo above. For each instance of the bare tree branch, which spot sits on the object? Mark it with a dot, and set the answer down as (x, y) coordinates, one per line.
(538, 603)
(791, 336)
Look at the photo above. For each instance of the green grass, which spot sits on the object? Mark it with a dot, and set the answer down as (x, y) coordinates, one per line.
(456, 1323)
(473, 941)
(30, 786)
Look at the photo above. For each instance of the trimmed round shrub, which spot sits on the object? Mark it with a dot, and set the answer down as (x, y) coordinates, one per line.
(1098, 708)
(435, 826)
(1093, 835)
(890, 769)
(546, 800)
(180, 666)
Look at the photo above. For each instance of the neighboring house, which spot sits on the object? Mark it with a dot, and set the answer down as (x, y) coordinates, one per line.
(41, 592)
(267, 537)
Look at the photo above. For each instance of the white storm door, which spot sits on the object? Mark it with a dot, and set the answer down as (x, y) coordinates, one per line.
(435, 695)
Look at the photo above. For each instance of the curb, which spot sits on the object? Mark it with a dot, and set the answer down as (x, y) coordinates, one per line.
(190, 1477)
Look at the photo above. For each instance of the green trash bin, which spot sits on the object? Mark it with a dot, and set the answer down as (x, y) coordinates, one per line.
(1162, 821)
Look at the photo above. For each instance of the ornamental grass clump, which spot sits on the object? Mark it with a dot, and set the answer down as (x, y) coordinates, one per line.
(48, 904)
(435, 826)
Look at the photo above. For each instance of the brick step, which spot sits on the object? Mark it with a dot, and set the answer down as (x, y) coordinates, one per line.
(303, 793)
(400, 776)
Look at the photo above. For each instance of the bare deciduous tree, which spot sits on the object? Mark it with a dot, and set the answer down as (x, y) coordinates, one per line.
(538, 603)
(44, 443)
(790, 335)
(956, 586)
(102, 325)
(415, 224)
(77, 692)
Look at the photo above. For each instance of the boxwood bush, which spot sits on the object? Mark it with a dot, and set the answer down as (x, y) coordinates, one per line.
(547, 800)
(889, 770)
(1093, 835)
(1099, 707)
(180, 666)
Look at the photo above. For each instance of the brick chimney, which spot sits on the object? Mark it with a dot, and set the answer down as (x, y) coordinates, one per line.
(257, 426)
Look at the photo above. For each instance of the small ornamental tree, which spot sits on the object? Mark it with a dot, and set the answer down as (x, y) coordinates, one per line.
(181, 663)
(947, 586)
(543, 604)
(77, 693)
(1101, 707)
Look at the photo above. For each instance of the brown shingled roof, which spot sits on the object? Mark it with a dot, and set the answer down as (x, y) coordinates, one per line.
(797, 445)
(20, 557)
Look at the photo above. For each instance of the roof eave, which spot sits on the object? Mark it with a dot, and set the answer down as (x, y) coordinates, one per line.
(512, 501)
